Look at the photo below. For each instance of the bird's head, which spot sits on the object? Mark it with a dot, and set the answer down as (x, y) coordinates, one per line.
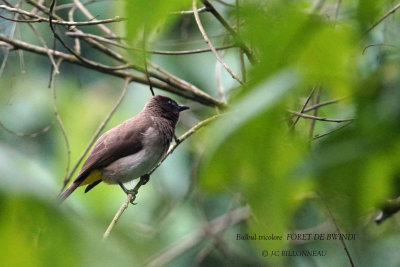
(163, 106)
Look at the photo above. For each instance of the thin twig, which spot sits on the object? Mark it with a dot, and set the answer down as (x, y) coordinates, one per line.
(334, 130)
(218, 81)
(130, 197)
(77, 46)
(59, 121)
(7, 52)
(84, 60)
(234, 34)
(98, 131)
(157, 52)
(30, 135)
(372, 45)
(241, 52)
(315, 113)
(40, 38)
(71, 5)
(205, 37)
(390, 12)
(37, 18)
(92, 42)
(306, 116)
(307, 109)
(46, 47)
(339, 232)
(190, 12)
(21, 54)
(302, 108)
(90, 17)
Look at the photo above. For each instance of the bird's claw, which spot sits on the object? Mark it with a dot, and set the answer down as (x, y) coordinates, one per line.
(133, 193)
(145, 178)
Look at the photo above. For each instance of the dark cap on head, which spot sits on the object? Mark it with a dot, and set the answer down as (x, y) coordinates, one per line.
(162, 106)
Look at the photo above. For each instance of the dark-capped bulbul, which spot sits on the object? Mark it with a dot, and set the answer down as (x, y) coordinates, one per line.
(131, 149)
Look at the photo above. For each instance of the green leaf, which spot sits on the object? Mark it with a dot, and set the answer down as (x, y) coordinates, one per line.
(252, 152)
(150, 16)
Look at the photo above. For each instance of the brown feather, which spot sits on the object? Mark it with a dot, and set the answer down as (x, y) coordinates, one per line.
(127, 139)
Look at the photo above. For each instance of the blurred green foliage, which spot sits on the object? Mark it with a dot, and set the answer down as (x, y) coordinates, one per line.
(291, 176)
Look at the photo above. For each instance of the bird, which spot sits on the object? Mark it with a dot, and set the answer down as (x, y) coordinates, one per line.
(131, 149)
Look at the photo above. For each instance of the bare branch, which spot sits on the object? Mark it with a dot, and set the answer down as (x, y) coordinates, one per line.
(158, 52)
(302, 109)
(334, 130)
(306, 116)
(30, 135)
(59, 121)
(315, 113)
(37, 18)
(190, 12)
(90, 17)
(338, 231)
(390, 12)
(205, 37)
(221, 19)
(316, 106)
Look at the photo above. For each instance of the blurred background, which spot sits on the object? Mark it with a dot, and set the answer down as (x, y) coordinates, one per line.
(308, 143)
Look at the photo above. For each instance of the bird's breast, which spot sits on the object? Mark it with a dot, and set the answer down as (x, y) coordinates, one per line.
(133, 166)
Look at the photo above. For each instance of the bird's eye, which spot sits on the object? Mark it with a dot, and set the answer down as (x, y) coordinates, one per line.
(169, 102)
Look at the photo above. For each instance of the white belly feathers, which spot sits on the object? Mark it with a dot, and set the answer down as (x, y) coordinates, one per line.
(133, 166)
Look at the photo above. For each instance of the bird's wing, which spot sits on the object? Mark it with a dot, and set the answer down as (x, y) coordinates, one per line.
(120, 141)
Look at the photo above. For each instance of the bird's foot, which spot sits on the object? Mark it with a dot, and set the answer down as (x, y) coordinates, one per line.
(132, 192)
(145, 178)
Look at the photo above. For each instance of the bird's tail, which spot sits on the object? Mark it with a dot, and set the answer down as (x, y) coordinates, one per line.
(63, 195)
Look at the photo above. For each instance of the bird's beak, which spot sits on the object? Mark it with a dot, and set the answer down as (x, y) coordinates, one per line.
(182, 108)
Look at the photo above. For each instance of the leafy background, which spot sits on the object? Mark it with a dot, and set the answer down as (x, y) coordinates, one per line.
(293, 179)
